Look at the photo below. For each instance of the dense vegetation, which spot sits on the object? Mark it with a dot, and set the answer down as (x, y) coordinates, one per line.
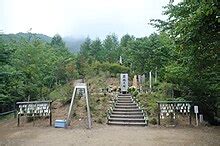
(31, 69)
(195, 28)
(184, 54)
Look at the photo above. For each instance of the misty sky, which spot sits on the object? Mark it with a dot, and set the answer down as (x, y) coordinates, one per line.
(80, 18)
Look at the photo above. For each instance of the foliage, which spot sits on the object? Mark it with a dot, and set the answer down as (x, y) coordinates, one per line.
(194, 25)
(57, 41)
(150, 53)
(184, 54)
(99, 105)
(31, 69)
(112, 68)
(62, 93)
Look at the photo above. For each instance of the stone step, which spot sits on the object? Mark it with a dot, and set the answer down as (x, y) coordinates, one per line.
(127, 123)
(124, 94)
(127, 107)
(126, 113)
(129, 101)
(124, 97)
(126, 119)
(126, 110)
(126, 104)
(124, 100)
(127, 116)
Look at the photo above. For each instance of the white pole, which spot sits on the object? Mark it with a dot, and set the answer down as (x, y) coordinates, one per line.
(197, 121)
(150, 80)
(71, 107)
(120, 60)
(200, 118)
(88, 109)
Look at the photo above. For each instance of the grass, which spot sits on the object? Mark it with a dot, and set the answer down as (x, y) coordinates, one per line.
(7, 117)
(98, 98)
(99, 106)
(62, 93)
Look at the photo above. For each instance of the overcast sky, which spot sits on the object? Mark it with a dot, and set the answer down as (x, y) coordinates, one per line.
(80, 18)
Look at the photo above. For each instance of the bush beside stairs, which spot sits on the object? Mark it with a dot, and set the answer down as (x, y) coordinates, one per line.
(125, 111)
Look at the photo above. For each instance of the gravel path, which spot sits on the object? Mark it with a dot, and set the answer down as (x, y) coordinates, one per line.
(101, 135)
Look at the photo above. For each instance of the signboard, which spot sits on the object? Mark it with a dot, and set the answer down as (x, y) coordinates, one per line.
(173, 108)
(167, 108)
(34, 109)
(124, 82)
(196, 109)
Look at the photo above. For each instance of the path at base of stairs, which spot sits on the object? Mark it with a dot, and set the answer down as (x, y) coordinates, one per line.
(104, 135)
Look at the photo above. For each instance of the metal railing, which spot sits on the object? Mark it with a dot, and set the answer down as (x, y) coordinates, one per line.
(9, 112)
(10, 109)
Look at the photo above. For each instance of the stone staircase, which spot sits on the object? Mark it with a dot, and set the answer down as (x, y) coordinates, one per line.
(125, 111)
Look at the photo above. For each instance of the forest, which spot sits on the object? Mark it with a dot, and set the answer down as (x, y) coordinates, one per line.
(184, 52)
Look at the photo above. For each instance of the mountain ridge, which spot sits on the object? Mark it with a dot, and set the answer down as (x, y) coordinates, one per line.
(73, 44)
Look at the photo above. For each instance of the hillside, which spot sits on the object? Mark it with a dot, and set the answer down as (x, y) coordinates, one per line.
(24, 36)
(73, 44)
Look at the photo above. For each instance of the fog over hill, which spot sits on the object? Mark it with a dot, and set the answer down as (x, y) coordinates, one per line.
(73, 43)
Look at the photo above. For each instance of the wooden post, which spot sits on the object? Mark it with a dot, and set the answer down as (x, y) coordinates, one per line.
(88, 109)
(158, 113)
(15, 111)
(190, 115)
(150, 81)
(50, 114)
(18, 120)
(33, 121)
(197, 121)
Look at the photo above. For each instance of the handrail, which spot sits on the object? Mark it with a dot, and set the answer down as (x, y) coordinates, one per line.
(8, 112)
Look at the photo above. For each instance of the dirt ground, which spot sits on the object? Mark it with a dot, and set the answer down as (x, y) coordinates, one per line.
(40, 133)
(101, 135)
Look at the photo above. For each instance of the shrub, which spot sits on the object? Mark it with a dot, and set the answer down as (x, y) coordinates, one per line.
(153, 121)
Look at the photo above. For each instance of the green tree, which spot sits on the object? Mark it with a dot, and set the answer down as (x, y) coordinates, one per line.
(110, 45)
(97, 50)
(57, 42)
(194, 25)
(124, 49)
